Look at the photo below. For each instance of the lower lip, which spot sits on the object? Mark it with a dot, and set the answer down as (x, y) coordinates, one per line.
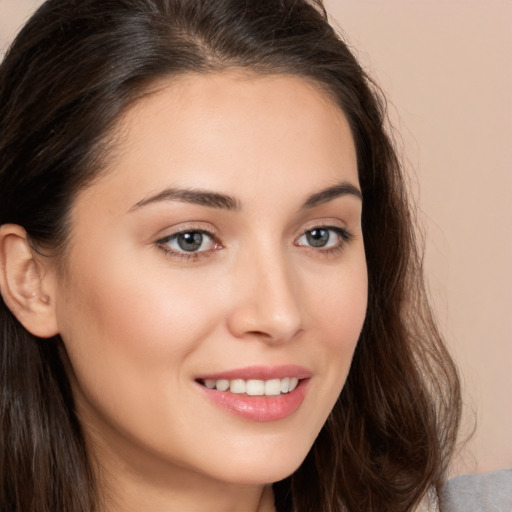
(259, 408)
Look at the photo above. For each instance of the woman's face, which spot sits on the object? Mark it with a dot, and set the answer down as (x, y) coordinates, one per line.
(222, 247)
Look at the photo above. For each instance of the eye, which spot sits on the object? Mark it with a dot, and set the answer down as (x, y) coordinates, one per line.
(188, 242)
(324, 237)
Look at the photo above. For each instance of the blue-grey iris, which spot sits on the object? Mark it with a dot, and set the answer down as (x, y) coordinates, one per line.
(318, 237)
(190, 241)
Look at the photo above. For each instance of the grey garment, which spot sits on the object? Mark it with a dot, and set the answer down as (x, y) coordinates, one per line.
(488, 492)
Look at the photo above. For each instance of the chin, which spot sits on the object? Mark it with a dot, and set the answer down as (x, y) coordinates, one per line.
(257, 470)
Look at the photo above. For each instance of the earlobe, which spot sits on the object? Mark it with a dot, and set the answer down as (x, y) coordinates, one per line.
(24, 285)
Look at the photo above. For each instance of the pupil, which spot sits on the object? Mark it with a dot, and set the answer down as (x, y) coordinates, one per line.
(190, 241)
(317, 237)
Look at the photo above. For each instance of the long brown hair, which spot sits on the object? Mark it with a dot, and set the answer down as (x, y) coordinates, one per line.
(71, 72)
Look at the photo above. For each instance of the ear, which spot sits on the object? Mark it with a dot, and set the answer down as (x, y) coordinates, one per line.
(24, 284)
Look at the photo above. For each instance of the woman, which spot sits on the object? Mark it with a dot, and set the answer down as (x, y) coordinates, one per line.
(212, 295)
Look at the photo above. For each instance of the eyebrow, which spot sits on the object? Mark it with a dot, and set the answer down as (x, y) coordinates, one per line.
(341, 189)
(226, 202)
(192, 196)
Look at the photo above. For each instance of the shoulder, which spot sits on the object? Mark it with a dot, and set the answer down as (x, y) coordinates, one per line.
(489, 492)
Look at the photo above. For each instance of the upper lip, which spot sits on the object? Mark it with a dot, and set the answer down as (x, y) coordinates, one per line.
(260, 373)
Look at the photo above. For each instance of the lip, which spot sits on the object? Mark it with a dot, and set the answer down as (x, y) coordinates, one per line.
(259, 408)
(260, 373)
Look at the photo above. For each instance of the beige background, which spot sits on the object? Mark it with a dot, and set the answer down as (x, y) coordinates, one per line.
(446, 68)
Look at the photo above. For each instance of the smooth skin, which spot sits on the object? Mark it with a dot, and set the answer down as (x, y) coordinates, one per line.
(273, 275)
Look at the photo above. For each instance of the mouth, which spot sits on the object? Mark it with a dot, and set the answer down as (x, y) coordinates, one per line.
(257, 393)
(253, 387)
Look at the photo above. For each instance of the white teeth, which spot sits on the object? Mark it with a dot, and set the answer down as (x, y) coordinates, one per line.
(273, 387)
(238, 386)
(222, 385)
(285, 385)
(254, 387)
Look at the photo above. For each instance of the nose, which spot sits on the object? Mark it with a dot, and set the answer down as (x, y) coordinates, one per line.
(266, 300)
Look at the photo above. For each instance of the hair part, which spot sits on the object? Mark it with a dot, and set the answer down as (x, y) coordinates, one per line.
(71, 73)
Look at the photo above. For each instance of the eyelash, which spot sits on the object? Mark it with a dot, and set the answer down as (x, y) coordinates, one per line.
(184, 255)
(343, 235)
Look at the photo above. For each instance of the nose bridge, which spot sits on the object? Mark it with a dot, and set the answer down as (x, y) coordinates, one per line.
(267, 300)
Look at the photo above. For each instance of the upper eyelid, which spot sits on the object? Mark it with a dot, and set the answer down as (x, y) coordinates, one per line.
(186, 228)
(324, 222)
(330, 225)
(190, 230)
(176, 233)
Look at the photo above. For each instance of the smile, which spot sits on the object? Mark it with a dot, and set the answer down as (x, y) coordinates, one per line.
(253, 387)
(258, 393)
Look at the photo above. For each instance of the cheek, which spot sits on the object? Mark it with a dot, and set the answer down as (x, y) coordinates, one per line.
(340, 312)
(339, 303)
(128, 328)
(142, 309)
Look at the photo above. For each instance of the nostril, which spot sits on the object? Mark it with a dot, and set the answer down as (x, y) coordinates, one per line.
(259, 334)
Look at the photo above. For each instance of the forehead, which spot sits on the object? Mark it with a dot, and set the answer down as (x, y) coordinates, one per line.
(231, 130)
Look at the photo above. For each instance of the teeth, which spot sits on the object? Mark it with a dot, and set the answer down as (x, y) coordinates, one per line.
(222, 385)
(273, 387)
(285, 385)
(254, 387)
(238, 386)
